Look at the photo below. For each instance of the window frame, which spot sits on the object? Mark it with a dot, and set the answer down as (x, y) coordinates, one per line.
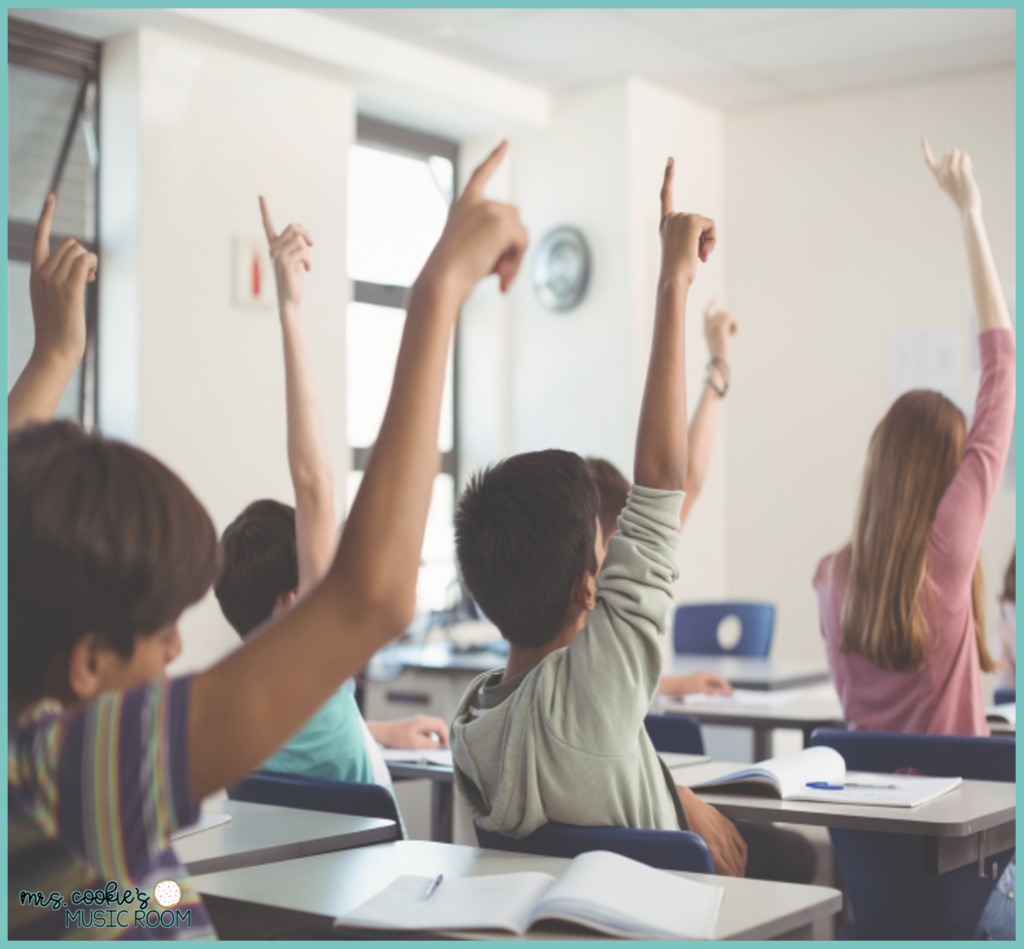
(44, 49)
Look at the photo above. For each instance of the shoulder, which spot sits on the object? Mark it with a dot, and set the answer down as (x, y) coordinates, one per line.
(832, 569)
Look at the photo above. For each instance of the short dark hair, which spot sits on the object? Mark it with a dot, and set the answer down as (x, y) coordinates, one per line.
(524, 533)
(261, 563)
(613, 489)
(102, 539)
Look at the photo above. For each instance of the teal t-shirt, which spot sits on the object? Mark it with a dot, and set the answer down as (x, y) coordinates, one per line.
(332, 745)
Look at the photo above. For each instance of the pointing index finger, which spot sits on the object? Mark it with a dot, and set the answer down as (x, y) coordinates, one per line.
(666, 188)
(41, 242)
(268, 225)
(480, 177)
(929, 158)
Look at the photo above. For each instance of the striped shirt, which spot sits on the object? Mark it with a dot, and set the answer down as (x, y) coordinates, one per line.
(92, 800)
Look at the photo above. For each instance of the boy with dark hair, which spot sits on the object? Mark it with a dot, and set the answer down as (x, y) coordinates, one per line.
(275, 554)
(106, 548)
(558, 734)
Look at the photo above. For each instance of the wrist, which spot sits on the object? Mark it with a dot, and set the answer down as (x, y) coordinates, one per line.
(971, 216)
(675, 285)
(290, 310)
(439, 289)
(55, 360)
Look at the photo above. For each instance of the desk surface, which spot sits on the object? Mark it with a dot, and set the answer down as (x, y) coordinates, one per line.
(260, 834)
(972, 807)
(313, 891)
(441, 656)
(749, 672)
(818, 706)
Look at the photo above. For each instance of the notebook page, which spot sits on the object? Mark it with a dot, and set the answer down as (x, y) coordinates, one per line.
(888, 790)
(746, 698)
(788, 774)
(622, 897)
(1003, 713)
(499, 901)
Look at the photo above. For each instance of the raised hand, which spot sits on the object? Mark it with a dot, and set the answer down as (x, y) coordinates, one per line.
(57, 288)
(719, 328)
(290, 252)
(481, 237)
(685, 238)
(955, 175)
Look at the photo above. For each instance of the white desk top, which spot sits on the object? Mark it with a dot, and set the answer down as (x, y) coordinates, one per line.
(967, 809)
(816, 706)
(260, 833)
(313, 891)
(750, 672)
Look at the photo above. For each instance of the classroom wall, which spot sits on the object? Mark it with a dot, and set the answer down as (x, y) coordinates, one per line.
(837, 236)
(214, 130)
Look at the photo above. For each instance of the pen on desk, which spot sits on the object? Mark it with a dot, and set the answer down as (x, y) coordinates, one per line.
(825, 786)
(434, 884)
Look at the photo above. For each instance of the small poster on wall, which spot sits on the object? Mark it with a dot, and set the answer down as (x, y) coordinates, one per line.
(253, 280)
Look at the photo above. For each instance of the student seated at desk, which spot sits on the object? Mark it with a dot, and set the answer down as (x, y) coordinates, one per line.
(106, 757)
(902, 605)
(1008, 625)
(613, 488)
(274, 554)
(558, 735)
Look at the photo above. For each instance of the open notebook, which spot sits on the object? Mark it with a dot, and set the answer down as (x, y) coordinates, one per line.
(599, 890)
(819, 774)
(1002, 713)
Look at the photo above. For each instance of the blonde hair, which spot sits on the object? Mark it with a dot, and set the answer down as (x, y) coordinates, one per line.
(913, 457)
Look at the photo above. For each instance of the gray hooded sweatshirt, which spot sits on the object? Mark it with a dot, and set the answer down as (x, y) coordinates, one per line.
(565, 740)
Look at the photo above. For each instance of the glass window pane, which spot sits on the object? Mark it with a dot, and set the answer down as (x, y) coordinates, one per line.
(397, 208)
(39, 108)
(21, 335)
(373, 335)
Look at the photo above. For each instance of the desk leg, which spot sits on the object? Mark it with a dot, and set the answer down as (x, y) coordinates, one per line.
(442, 802)
(762, 743)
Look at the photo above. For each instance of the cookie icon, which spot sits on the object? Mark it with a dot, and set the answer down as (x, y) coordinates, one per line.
(167, 893)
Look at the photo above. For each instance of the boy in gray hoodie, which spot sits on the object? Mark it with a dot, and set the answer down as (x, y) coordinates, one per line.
(558, 735)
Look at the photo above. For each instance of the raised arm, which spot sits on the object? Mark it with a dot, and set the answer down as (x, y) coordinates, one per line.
(661, 450)
(249, 704)
(308, 459)
(719, 328)
(57, 288)
(955, 175)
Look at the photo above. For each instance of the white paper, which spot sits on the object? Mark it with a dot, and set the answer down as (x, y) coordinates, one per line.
(889, 790)
(205, 822)
(746, 698)
(1002, 713)
(678, 760)
(788, 774)
(439, 757)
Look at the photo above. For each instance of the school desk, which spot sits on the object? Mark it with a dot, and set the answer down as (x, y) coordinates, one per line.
(442, 793)
(967, 825)
(817, 707)
(311, 892)
(752, 672)
(263, 833)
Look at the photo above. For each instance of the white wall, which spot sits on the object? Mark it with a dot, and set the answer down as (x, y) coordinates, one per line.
(837, 235)
(215, 130)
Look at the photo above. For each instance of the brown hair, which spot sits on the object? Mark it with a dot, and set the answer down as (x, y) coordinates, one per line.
(102, 539)
(261, 564)
(913, 456)
(1009, 594)
(612, 487)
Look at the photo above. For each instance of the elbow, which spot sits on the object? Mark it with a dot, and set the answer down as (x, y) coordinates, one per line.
(314, 484)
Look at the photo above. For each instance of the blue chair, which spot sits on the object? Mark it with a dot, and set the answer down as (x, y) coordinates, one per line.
(696, 628)
(662, 849)
(1006, 697)
(318, 794)
(889, 895)
(676, 734)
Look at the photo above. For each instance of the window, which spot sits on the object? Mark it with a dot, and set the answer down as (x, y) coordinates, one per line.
(52, 109)
(400, 186)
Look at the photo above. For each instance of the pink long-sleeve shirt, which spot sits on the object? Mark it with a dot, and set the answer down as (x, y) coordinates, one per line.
(944, 696)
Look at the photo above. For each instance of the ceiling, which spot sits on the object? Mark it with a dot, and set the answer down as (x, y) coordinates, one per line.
(729, 59)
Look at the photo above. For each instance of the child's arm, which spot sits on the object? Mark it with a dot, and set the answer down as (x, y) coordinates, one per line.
(308, 460)
(719, 328)
(249, 704)
(960, 519)
(709, 683)
(661, 449)
(57, 288)
(420, 731)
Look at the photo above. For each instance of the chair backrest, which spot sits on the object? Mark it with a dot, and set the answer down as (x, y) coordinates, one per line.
(696, 628)
(949, 756)
(890, 897)
(677, 734)
(1006, 697)
(318, 794)
(662, 849)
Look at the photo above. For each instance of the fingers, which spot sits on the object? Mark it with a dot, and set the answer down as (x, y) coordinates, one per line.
(666, 188)
(509, 262)
(709, 310)
(84, 268)
(929, 158)
(708, 237)
(478, 180)
(41, 242)
(58, 264)
(268, 225)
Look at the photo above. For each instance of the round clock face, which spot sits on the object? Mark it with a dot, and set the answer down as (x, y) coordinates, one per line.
(561, 269)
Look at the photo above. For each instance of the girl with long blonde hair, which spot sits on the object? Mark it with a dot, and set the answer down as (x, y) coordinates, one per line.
(902, 605)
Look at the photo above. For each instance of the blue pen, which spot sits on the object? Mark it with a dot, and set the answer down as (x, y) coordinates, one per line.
(825, 786)
(434, 884)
